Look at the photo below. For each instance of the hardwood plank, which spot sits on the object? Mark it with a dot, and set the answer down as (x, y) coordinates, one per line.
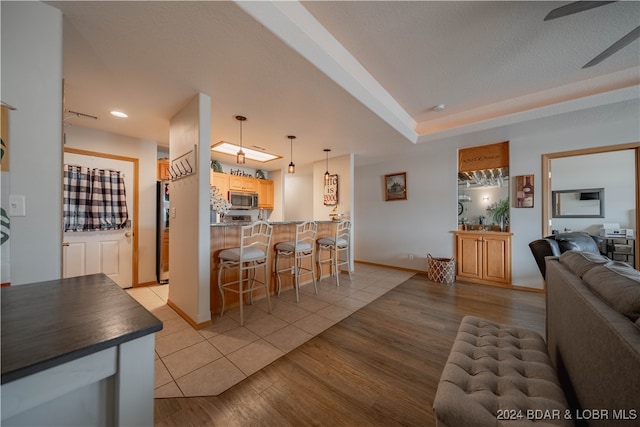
(378, 367)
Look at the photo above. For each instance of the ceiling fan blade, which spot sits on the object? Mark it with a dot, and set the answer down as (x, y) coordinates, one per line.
(632, 36)
(575, 7)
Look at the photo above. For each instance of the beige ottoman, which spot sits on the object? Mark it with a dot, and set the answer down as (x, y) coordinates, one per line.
(499, 376)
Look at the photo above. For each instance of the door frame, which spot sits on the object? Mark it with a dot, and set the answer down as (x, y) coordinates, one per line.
(136, 184)
(546, 182)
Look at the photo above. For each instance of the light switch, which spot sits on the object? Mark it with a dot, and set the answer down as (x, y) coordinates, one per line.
(17, 205)
(173, 212)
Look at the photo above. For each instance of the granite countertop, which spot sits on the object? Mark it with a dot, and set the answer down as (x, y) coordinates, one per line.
(49, 323)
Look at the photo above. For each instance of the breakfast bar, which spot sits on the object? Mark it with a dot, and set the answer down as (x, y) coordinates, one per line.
(227, 235)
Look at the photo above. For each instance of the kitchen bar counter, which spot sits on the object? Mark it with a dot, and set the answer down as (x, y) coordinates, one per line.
(227, 235)
(70, 341)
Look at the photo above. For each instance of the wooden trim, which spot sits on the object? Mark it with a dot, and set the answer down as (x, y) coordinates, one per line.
(375, 264)
(136, 202)
(637, 208)
(546, 182)
(483, 157)
(187, 318)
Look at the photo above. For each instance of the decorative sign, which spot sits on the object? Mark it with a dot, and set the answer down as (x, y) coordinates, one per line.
(331, 191)
(484, 157)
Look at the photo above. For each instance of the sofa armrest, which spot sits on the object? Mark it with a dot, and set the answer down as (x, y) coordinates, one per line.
(543, 248)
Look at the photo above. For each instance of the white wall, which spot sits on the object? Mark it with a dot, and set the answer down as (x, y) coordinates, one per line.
(189, 235)
(388, 232)
(615, 172)
(146, 152)
(298, 199)
(32, 82)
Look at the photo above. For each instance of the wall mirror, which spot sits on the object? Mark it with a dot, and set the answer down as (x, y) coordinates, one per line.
(582, 203)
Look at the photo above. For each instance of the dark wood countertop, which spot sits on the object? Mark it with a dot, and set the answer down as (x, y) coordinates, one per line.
(49, 323)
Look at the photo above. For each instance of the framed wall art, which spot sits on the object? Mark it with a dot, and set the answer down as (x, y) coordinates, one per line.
(395, 186)
(524, 191)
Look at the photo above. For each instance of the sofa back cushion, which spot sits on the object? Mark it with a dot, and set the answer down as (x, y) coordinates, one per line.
(618, 285)
(581, 262)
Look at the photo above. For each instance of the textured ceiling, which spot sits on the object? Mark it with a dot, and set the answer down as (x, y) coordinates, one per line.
(357, 77)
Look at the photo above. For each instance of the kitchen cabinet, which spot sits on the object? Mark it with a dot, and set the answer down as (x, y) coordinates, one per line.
(163, 170)
(483, 257)
(243, 183)
(265, 194)
(221, 182)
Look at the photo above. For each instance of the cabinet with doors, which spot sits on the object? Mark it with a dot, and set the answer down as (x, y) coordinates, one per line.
(483, 257)
(221, 182)
(163, 170)
(265, 194)
(243, 183)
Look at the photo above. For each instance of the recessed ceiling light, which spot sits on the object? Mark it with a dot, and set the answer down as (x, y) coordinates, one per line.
(438, 108)
(119, 114)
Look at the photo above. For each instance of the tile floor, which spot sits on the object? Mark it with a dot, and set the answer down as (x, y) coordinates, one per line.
(208, 361)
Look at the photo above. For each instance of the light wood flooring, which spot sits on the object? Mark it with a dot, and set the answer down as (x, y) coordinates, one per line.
(378, 367)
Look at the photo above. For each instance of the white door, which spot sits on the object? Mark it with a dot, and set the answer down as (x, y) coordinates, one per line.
(109, 252)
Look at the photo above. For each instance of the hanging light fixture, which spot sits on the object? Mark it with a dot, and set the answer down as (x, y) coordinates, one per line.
(327, 175)
(292, 167)
(240, 155)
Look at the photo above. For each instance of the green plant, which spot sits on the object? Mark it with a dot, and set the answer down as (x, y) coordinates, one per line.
(500, 212)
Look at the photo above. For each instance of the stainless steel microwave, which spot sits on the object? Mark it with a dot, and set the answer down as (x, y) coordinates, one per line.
(243, 200)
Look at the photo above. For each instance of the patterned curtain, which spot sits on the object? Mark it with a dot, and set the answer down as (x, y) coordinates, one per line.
(94, 199)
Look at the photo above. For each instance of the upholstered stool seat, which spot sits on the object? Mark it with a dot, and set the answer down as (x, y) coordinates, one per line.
(497, 375)
(301, 252)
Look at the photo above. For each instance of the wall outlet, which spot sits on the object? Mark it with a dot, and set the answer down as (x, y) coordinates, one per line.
(411, 257)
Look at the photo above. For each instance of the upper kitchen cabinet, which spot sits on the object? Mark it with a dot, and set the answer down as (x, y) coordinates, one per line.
(221, 182)
(243, 183)
(265, 194)
(163, 170)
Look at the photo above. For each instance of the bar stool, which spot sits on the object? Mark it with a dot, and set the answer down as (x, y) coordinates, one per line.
(253, 253)
(337, 245)
(301, 248)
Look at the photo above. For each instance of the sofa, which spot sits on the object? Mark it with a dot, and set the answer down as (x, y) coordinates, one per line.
(556, 244)
(593, 336)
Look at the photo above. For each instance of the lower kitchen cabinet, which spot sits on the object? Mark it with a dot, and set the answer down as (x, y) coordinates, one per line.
(483, 257)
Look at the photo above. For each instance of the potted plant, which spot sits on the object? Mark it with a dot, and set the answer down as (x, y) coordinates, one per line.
(500, 214)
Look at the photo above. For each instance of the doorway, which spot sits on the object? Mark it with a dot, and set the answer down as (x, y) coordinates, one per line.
(113, 252)
(547, 176)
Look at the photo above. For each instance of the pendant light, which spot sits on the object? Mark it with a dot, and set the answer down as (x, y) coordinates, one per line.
(240, 155)
(327, 175)
(292, 167)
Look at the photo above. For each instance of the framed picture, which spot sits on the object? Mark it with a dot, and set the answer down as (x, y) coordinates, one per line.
(331, 191)
(395, 186)
(524, 191)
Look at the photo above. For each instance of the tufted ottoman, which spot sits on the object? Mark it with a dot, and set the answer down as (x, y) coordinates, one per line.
(499, 376)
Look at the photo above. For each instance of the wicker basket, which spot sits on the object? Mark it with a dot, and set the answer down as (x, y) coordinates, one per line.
(441, 270)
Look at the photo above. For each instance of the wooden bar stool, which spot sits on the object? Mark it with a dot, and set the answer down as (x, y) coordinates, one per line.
(298, 250)
(339, 244)
(253, 254)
